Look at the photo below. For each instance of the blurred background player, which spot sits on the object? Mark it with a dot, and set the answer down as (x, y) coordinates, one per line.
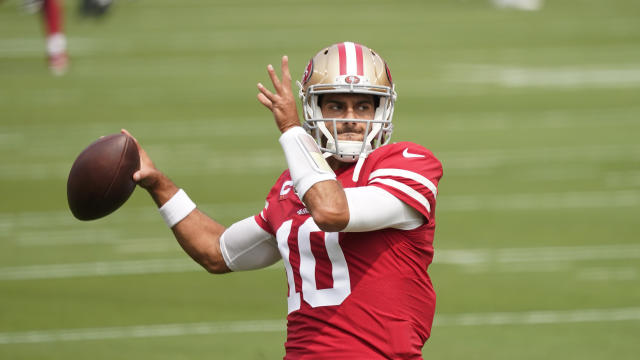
(52, 10)
(94, 8)
(52, 14)
(56, 40)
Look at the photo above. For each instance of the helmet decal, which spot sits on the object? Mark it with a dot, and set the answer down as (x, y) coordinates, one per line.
(352, 79)
(307, 72)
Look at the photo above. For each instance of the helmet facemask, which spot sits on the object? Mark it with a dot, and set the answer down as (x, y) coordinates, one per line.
(377, 132)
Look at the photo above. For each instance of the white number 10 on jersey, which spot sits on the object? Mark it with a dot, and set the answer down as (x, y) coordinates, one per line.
(307, 271)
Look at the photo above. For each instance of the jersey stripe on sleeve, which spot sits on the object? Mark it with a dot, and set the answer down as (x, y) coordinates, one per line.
(406, 174)
(261, 219)
(407, 190)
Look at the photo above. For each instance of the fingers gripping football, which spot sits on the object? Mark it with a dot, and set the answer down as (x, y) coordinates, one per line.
(148, 175)
(282, 103)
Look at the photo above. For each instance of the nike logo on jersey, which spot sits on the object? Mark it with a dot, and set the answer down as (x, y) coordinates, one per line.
(407, 154)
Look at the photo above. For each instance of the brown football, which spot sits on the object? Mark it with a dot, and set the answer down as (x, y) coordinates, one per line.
(100, 180)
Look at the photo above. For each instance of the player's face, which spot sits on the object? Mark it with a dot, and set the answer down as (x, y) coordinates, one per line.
(348, 106)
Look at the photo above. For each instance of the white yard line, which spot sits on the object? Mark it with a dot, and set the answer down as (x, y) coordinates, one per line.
(541, 201)
(102, 268)
(148, 246)
(35, 47)
(268, 159)
(77, 236)
(547, 259)
(597, 76)
(622, 117)
(484, 158)
(261, 326)
(48, 221)
(142, 331)
(58, 219)
(621, 273)
(551, 258)
(537, 255)
(539, 317)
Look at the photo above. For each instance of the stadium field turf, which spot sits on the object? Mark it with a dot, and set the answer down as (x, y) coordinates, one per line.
(535, 116)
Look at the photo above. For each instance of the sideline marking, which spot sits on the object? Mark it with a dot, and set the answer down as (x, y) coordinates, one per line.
(208, 328)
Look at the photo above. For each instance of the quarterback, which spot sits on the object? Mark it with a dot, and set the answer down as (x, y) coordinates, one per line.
(352, 218)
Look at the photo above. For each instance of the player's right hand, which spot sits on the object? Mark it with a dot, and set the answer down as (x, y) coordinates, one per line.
(282, 103)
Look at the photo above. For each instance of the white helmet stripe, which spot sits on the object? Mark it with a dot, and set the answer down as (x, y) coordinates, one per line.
(351, 59)
(352, 67)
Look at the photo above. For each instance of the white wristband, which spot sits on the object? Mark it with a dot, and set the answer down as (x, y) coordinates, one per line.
(306, 163)
(177, 208)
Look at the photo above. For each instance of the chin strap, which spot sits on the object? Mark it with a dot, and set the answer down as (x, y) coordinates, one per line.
(356, 171)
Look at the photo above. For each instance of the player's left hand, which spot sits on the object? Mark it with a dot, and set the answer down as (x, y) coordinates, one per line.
(282, 104)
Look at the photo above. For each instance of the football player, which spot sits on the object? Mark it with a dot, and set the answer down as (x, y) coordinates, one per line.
(56, 41)
(95, 8)
(352, 218)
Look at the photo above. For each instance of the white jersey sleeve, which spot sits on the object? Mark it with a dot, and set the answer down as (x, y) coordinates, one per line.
(372, 208)
(246, 246)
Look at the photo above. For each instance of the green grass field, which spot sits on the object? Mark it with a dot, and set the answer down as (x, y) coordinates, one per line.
(535, 116)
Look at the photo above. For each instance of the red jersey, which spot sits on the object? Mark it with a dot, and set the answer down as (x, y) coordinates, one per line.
(359, 295)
